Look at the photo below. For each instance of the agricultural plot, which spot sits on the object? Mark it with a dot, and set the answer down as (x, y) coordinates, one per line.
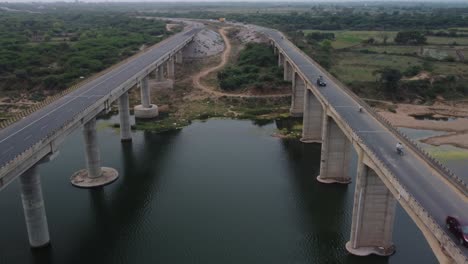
(346, 39)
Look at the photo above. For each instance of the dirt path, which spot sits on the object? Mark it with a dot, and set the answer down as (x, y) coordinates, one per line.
(224, 60)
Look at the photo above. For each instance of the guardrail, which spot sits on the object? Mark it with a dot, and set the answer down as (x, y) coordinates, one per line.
(51, 136)
(446, 243)
(434, 163)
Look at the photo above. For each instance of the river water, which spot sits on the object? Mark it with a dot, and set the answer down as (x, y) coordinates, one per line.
(220, 191)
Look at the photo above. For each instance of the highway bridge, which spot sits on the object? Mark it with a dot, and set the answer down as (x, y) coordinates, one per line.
(36, 138)
(426, 190)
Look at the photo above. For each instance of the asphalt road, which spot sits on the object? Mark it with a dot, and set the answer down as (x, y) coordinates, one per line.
(20, 136)
(431, 190)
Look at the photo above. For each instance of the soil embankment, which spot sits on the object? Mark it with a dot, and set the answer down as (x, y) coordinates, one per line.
(197, 78)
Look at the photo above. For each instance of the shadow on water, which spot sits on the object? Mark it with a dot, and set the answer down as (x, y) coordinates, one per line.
(113, 212)
(327, 208)
(42, 255)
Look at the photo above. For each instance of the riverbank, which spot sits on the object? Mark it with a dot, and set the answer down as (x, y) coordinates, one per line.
(445, 116)
(194, 94)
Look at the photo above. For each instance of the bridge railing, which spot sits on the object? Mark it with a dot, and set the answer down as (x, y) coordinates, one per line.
(51, 136)
(446, 243)
(459, 183)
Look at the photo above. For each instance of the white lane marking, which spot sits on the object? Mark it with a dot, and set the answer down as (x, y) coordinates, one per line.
(7, 150)
(42, 128)
(373, 131)
(27, 137)
(80, 95)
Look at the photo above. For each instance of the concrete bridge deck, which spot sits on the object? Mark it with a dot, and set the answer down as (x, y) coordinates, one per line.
(433, 191)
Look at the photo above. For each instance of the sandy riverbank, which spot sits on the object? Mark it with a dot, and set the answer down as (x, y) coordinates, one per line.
(450, 117)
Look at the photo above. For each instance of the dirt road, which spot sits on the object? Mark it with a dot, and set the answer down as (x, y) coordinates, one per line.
(224, 59)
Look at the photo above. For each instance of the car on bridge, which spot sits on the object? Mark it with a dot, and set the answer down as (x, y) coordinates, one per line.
(458, 228)
(321, 82)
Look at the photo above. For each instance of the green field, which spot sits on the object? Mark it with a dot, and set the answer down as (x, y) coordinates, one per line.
(446, 40)
(345, 39)
(352, 66)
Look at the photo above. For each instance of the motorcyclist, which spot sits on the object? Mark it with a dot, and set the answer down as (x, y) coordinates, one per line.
(399, 148)
(360, 109)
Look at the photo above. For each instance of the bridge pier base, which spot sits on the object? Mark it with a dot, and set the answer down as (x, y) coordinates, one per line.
(124, 113)
(170, 68)
(34, 209)
(312, 119)
(373, 215)
(94, 175)
(146, 109)
(335, 155)
(297, 98)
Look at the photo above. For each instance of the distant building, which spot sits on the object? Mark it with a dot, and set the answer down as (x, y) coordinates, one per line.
(222, 19)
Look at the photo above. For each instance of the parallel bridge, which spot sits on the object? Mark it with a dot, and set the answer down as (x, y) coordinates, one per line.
(427, 191)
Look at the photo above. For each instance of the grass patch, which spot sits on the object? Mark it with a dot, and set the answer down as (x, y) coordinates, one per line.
(346, 39)
(445, 155)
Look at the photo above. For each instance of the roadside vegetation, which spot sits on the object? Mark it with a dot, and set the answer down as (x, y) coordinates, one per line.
(256, 68)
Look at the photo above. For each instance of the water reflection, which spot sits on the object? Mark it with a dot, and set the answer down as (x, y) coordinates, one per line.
(219, 191)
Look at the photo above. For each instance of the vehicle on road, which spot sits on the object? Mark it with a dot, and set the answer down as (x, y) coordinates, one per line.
(321, 82)
(399, 149)
(360, 109)
(458, 228)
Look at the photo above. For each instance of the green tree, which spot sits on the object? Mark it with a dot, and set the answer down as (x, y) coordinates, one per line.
(390, 79)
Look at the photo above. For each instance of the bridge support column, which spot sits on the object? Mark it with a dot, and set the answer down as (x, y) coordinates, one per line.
(160, 76)
(146, 109)
(297, 98)
(178, 57)
(312, 119)
(124, 113)
(280, 59)
(335, 155)
(94, 175)
(275, 50)
(170, 68)
(34, 209)
(373, 215)
(287, 71)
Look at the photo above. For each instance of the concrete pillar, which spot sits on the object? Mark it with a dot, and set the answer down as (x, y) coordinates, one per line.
(160, 76)
(312, 118)
(373, 215)
(170, 68)
(93, 158)
(280, 59)
(145, 109)
(297, 98)
(154, 74)
(145, 92)
(34, 209)
(287, 71)
(178, 57)
(275, 50)
(124, 113)
(94, 175)
(335, 154)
